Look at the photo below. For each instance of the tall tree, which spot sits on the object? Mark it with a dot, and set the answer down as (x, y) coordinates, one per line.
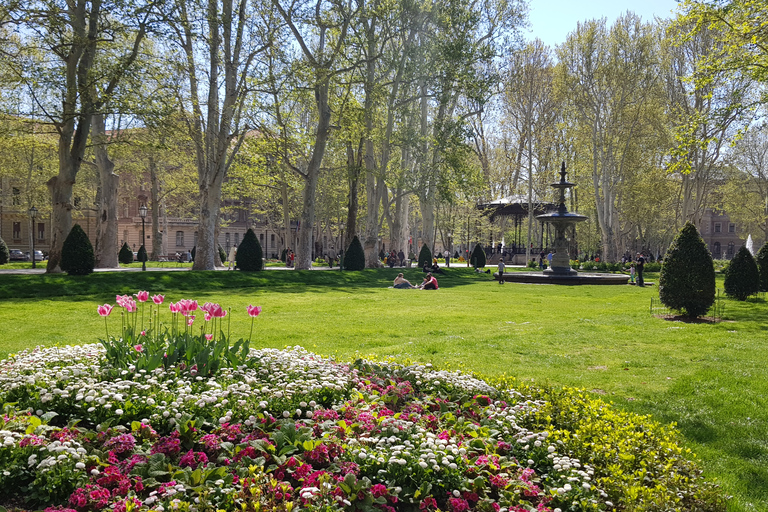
(319, 29)
(59, 50)
(218, 53)
(610, 76)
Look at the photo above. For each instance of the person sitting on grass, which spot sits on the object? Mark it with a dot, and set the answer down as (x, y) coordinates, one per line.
(401, 282)
(430, 283)
(434, 268)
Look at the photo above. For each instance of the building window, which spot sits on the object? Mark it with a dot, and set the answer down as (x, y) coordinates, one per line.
(272, 240)
(716, 250)
(717, 227)
(16, 199)
(126, 211)
(179, 239)
(41, 230)
(731, 247)
(237, 239)
(195, 244)
(226, 241)
(261, 239)
(17, 230)
(125, 236)
(731, 228)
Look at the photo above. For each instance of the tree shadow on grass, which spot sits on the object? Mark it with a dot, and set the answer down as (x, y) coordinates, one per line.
(691, 320)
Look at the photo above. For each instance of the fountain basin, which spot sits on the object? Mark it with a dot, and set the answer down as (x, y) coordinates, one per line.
(574, 278)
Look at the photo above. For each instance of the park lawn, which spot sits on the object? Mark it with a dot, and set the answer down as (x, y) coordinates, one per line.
(710, 379)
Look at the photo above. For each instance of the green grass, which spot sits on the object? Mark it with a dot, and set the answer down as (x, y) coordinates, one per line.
(711, 379)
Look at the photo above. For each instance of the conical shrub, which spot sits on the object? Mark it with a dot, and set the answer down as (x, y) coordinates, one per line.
(249, 257)
(77, 257)
(354, 258)
(222, 254)
(425, 256)
(687, 278)
(125, 256)
(742, 277)
(5, 254)
(141, 254)
(762, 267)
(477, 259)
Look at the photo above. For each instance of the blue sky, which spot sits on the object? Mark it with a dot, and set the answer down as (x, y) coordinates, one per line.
(552, 20)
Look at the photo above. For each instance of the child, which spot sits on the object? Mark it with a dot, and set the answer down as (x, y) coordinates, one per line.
(632, 273)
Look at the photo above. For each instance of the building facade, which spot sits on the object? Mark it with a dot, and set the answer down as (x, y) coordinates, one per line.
(722, 236)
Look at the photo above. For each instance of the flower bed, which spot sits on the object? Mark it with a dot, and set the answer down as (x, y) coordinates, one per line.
(289, 430)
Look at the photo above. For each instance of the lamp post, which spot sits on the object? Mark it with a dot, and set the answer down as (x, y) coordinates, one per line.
(32, 215)
(143, 215)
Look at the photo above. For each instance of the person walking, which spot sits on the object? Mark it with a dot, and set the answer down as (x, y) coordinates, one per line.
(501, 270)
(447, 256)
(231, 258)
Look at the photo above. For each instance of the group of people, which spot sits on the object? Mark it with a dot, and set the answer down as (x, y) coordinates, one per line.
(392, 258)
(429, 282)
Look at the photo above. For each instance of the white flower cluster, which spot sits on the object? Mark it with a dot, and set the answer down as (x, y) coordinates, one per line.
(59, 453)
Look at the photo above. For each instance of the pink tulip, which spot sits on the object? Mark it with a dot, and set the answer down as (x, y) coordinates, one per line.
(158, 299)
(130, 305)
(208, 316)
(254, 310)
(122, 299)
(175, 308)
(138, 348)
(191, 319)
(143, 333)
(209, 337)
(104, 310)
(142, 296)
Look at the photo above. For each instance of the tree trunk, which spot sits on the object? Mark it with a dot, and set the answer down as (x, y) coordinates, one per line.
(157, 239)
(304, 242)
(210, 201)
(106, 228)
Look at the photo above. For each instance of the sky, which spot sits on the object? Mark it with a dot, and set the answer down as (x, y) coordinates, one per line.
(552, 20)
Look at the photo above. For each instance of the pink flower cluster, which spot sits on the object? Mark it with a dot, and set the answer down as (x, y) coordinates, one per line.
(213, 310)
(184, 306)
(192, 459)
(122, 443)
(127, 302)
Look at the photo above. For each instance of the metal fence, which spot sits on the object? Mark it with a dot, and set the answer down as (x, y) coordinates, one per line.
(716, 312)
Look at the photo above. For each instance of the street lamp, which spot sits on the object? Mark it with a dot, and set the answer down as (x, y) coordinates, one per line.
(32, 215)
(143, 215)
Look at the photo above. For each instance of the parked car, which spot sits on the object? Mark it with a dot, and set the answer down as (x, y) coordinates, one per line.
(39, 256)
(18, 255)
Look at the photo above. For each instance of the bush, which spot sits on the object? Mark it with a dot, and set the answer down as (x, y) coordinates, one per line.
(687, 279)
(77, 257)
(762, 266)
(425, 256)
(5, 255)
(742, 278)
(222, 255)
(249, 257)
(533, 264)
(477, 259)
(125, 256)
(284, 255)
(141, 255)
(354, 257)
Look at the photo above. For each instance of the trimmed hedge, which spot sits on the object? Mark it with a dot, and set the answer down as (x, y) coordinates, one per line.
(478, 259)
(5, 254)
(249, 257)
(742, 278)
(77, 258)
(425, 256)
(762, 266)
(687, 278)
(222, 254)
(141, 254)
(125, 256)
(354, 257)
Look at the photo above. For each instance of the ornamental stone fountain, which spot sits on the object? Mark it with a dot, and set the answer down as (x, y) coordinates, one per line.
(562, 219)
(560, 271)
